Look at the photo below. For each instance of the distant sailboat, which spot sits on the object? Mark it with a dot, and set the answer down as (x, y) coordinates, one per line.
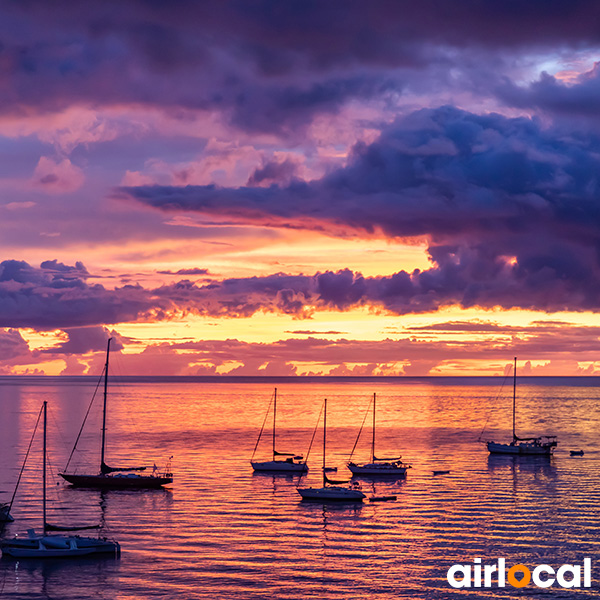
(540, 446)
(377, 467)
(56, 546)
(115, 477)
(290, 464)
(333, 491)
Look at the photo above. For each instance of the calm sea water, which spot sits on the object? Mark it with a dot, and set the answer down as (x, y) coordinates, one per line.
(223, 532)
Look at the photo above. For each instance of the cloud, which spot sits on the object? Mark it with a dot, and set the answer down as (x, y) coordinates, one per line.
(59, 297)
(194, 271)
(268, 66)
(82, 340)
(274, 172)
(510, 210)
(57, 177)
(552, 96)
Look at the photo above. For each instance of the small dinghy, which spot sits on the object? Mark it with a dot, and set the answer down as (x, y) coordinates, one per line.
(441, 472)
(382, 498)
(576, 452)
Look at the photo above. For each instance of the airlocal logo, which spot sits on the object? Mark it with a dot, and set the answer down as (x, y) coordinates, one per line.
(543, 576)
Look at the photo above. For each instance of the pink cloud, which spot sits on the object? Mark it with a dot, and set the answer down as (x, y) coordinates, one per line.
(57, 176)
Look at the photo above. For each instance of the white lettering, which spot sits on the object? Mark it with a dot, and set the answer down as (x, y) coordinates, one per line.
(465, 570)
(501, 572)
(587, 572)
(487, 576)
(477, 573)
(540, 582)
(575, 570)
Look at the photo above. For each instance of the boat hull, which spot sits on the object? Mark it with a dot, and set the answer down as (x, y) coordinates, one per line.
(378, 470)
(59, 547)
(128, 482)
(522, 449)
(280, 466)
(331, 494)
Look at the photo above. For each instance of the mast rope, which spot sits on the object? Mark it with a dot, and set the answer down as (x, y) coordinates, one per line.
(263, 427)
(360, 430)
(84, 420)
(25, 461)
(312, 439)
(495, 400)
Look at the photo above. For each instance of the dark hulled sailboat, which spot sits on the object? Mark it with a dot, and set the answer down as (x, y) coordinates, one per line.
(116, 477)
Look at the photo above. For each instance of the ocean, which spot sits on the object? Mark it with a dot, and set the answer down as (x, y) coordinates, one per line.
(224, 532)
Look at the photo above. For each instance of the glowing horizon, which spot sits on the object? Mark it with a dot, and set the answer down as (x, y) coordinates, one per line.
(263, 196)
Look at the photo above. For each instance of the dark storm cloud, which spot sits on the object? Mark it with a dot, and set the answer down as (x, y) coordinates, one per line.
(194, 271)
(43, 299)
(511, 211)
(268, 65)
(86, 339)
(273, 172)
(555, 97)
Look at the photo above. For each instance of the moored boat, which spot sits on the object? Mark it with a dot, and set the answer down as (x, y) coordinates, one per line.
(116, 478)
(282, 462)
(535, 446)
(45, 545)
(377, 467)
(331, 491)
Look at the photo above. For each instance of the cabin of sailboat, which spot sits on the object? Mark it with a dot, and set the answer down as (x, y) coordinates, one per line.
(377, 467)
(116, 477)
(5, 516)
(331, 491)
(282, 462)
(55, 546)
(537, 446)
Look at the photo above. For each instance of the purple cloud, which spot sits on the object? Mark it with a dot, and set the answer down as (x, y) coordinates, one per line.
(47, 299)
(510, 210)
(266, 66)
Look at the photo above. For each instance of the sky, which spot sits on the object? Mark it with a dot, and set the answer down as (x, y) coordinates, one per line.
(300, 187)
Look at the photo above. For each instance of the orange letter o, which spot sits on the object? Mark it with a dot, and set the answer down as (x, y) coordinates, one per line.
(514, 581)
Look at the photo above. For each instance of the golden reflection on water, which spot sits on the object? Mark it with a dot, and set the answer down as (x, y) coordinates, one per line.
(223, 531)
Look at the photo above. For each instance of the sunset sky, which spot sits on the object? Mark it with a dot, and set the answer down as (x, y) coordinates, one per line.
(300, 187)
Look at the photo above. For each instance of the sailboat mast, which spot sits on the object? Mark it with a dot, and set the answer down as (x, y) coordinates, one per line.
(514, 398)
(324, 440)
(104, 409)
(44, 470)
(373, 442)
(274, 417)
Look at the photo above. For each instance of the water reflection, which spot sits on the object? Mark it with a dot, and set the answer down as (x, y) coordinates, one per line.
(57, 579)
(226, 532)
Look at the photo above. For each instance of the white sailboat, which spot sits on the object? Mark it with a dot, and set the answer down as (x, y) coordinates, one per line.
(538, 446)
(116, 478)
(290, 464)
(331, 491)
(56, 546)
(377, 467)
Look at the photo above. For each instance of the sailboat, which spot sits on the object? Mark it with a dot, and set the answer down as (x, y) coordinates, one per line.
(377, 467)
(5, 516)
(331, 490)
(540, 446)
(56, 546)
(290, 464)
(116, 477)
